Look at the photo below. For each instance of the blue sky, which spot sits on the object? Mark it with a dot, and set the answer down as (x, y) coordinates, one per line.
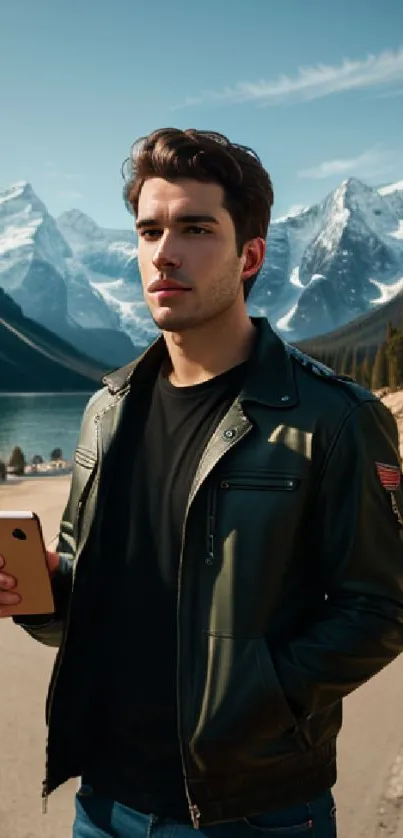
(314, 86)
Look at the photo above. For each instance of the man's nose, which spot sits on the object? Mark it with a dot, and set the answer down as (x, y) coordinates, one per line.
(166, 254)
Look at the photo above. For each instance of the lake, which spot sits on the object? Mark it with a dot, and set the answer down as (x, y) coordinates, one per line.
(40, 422)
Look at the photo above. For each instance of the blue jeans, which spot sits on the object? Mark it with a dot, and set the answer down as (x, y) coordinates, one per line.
(100, 817)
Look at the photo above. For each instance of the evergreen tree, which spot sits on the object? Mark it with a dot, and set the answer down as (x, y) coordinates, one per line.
(17, 461)
(355, 367)
(380, 369)
(3, 472)
(338, 361)
(365, 372)
(390, 331)
(347, 363)
(395, 360)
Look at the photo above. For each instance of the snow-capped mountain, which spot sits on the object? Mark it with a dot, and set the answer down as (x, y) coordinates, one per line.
(109, 258)
(333, 261)
(42, 274)
(325, 266)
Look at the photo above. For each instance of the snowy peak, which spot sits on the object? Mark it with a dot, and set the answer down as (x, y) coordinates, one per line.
(20, 191)
(78, 228)
(325, 264)
(27, 232)
(333, 261)
(392, 188)
(19, 203)
(83, 234)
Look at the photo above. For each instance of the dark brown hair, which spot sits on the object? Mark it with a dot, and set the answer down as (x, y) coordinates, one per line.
(208, 157)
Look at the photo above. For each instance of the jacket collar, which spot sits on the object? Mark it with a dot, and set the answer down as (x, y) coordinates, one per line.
(269, 381)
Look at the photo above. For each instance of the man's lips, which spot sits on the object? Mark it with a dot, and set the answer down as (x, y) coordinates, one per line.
(161, 288)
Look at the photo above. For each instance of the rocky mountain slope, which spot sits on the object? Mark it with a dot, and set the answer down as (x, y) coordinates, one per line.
(39, 271)
(328, 265)
(334, 261)
(33, 359)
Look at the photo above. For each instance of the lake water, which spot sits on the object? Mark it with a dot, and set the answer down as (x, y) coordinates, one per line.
(38, 423)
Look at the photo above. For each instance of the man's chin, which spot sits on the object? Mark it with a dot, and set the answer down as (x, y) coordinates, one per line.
(170, 322)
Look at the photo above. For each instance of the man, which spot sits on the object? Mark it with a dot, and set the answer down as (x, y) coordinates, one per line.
(230, 562)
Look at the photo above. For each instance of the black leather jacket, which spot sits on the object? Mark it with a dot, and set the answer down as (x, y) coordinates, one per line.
(290, 591)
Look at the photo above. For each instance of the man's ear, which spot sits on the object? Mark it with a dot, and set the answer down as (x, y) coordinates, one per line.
(254, 252)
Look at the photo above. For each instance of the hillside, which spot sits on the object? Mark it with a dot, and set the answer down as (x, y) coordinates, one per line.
(33, 359)
(366, 331)
(335, 261)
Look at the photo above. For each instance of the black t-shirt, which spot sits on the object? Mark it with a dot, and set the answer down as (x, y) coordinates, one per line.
(134, 753)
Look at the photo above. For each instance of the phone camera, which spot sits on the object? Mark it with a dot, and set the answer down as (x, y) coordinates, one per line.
(20, 534)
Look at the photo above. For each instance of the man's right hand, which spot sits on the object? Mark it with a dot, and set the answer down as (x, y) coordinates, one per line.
(8, 597)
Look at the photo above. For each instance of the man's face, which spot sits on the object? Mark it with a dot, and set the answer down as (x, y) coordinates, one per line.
(190, 269)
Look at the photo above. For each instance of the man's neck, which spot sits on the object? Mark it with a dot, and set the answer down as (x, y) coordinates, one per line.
(201, 354)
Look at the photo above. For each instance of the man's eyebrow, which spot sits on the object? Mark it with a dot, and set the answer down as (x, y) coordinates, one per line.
(180, 219)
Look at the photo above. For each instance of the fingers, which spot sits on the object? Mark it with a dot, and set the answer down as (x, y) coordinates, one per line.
(7, 598)
(7, 583)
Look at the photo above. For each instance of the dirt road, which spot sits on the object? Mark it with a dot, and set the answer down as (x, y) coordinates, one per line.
(370, 789)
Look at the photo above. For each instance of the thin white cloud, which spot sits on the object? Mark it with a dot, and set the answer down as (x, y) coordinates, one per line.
(52, 171)
(389, 94)
(71, 194)
(368, 164)
(385, 69)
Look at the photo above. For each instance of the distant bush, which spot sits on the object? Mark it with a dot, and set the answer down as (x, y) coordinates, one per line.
(57, 454)
(17, 461)
(3, 472)
(37, 460)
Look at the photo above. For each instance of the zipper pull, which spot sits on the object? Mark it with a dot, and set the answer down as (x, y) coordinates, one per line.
(195, 815)
(45, 797)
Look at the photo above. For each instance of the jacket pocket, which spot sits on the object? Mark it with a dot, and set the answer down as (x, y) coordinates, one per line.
(243, 483)
(252, 521)
(263, 483)
(272, 687)
(244, 719)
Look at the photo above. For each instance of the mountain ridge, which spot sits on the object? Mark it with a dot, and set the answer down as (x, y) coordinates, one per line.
(33, 359)
(326, 266)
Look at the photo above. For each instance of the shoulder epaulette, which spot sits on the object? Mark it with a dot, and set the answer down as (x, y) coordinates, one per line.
(314, 366)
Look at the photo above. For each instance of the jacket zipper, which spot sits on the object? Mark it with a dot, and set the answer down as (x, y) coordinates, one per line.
(45, 782)
(195, 813)
(285, 484)
(194, 810)
(211, 506)
(282, 484)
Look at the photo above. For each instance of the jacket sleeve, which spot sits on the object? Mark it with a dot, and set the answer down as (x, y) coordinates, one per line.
(48, 628)
(357, 539)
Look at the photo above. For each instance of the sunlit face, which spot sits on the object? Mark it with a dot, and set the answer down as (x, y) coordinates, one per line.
(189, 265)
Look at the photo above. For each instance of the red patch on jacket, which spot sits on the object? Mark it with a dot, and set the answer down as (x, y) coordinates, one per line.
(390, 476)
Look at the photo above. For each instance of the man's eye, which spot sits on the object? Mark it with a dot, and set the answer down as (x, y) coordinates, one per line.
(150, 235)
(195, 230)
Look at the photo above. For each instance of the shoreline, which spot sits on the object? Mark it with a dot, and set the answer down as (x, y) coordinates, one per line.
(12, 480)
(8, 395)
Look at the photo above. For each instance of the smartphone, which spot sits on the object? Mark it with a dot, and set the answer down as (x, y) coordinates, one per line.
(23, 549)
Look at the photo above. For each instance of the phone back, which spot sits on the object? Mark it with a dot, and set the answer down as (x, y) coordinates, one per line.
(24, 552)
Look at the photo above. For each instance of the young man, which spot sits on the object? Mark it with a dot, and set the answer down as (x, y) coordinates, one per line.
(230, 558)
